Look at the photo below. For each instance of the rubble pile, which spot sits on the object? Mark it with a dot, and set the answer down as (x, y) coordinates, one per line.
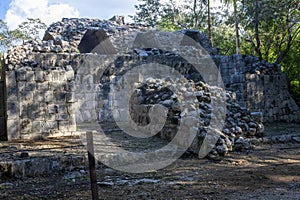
(239, 123)
(70, 31)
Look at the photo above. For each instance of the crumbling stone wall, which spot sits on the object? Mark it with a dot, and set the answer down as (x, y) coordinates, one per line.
(2, 112)
(50, 86)
(259, 86)
(39, 98)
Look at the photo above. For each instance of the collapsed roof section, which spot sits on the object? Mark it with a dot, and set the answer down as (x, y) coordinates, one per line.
(112, 36)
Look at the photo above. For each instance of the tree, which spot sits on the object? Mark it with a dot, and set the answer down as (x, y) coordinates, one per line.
(148, 11)
(31, 28)
(290, 65)
(270, 26)
(209, 20)
(7, 37)
(170, 17)
(236, 23)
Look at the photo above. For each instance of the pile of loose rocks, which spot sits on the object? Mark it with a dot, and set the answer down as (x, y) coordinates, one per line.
(70, 31)
(258, 66)
(65, 36)
(239, 123)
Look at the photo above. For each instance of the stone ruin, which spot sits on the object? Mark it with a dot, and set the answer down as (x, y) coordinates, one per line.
(46, 81)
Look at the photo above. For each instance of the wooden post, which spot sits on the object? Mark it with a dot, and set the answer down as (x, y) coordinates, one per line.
(92, 164)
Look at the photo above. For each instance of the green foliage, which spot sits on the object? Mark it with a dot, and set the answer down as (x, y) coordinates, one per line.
(7, 37)
(148, 11)
(294, 88)
(170, 15)
(270, 26)
(291, 67)
(268, 29)
(30, 29)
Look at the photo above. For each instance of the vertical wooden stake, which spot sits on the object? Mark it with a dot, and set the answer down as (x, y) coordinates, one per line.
(92, 165)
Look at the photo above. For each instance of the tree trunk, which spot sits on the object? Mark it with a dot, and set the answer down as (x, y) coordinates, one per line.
(209, 21)
(237, 39)
(195, 15)
(257, 38)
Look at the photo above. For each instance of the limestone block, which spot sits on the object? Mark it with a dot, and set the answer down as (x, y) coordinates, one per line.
(71, 86)
(33, 110)
(61, 117)
(30, 86)
(50, 125)
(50, 116)
(52, 108)
(40, 114)
(72, 120)
(49, 96)
(56, 86)
(70, 97)
(60, 96)
(48, 76)
(72, 128)
(23, 109)
(61, 109)
(70, 75)
(30, 76)
(63, 126)
(21, 85)
(58, 76)
(12, 109)
(37, 126)
(94, 115)
(21, 75)
(42, 87)
(39, 76)
(12, 93)
(25, 126)
(71, 108)
(26, 95)
(10, 78)
(39, 96)
(13, 129)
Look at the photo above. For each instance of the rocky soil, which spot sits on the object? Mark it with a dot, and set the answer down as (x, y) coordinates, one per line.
(268, 171)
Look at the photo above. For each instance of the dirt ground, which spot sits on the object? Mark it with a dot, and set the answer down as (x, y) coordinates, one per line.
(269, 171)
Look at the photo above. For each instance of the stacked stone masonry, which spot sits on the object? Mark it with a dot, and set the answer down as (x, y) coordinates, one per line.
(2, 112)
(259, 86)
(39, 101)
(50, 87)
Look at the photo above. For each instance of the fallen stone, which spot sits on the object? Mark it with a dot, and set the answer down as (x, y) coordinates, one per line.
(24, 154)
(296, 138)
(106, 183)
(6, 185)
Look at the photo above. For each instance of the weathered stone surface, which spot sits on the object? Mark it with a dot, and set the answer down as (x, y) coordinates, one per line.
(51, 72)
(237, 122)
(39, 166)
(3, 135)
